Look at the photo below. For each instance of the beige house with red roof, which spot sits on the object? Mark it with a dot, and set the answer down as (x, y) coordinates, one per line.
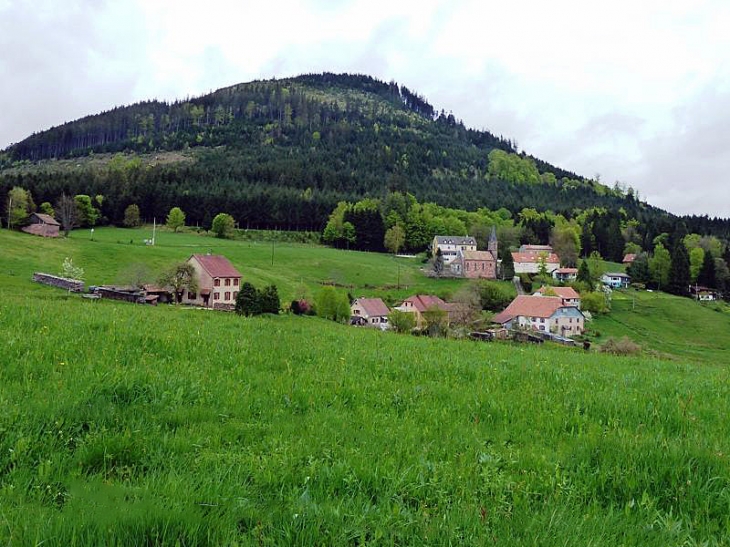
(542, 313)
(370, 312)
(218, 282)
(569, 295)
(422, 302)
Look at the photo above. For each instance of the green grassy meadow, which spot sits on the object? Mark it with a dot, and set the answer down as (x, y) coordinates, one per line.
(669, 326)
(133, 425)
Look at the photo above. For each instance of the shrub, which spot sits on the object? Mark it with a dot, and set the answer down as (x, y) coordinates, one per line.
(594, 302)
(494, 297)
(401, 321)
(333, 305)
(624, 346)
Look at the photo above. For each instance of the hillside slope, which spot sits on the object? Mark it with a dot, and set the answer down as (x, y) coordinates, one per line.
(282, 153)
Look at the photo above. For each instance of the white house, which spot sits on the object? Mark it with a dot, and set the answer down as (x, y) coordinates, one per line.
(565, 275)
(542, 313)
(616, 280)
(530, 262)
(450, 245)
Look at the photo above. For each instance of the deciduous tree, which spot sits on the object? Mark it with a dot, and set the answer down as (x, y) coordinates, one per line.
(223, 225)
(179, 278)
(175, 219)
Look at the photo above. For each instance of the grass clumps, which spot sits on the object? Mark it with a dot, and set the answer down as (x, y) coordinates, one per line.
(622, 346)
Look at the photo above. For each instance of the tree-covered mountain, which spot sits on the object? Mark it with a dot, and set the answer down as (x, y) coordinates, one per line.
(283, 153)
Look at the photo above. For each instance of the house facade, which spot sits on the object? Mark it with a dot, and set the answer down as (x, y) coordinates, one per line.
(218, 282)
(370, 312)
(449, 245)
(420, 303)
(616, 280)
(568, 295)
(542, 313)
(529, 262)
(42, 225)
(565, 275)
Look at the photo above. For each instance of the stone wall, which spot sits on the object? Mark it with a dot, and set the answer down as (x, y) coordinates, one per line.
(73, 285)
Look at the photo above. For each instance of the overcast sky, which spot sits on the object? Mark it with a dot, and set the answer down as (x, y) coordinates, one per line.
(634, 91)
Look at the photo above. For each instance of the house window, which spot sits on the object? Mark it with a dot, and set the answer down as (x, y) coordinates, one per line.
(235, 295)
(227, 296)
(235, 282)
(191, 296)
(542, 320)
(216, 296)
(228, 282)
(217, 282)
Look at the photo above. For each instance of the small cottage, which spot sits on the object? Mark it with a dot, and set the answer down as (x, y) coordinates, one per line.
(616, 280)
(565, 275)
(42, 225)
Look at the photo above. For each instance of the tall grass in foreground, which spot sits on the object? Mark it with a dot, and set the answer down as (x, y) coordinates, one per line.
(129, 425)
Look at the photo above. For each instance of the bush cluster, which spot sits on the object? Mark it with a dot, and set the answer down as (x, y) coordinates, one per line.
(252, 301)
(624, 346)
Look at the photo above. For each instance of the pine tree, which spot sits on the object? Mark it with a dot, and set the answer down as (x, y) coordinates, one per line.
(679, 273)
(584, 274)
(707, 276)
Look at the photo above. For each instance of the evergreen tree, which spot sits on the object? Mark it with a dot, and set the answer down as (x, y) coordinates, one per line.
(707, 276)
(584, 274)
(639, 269)
(247, 301)
(269, 300)
(132, 216)
(679, 272)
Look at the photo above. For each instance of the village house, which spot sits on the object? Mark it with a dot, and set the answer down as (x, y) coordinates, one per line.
(529, 262)
(477, 264)
(535, 249)
(542, 313)
(703, 294)
(616, 280)
(370, 312)
(568, 295)
(218, 282)
(629, 258)
(423, 302)
(42, 225)
(565, 275)
(449, 245)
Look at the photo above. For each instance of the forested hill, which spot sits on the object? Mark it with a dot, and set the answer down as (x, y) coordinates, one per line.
(282, 153)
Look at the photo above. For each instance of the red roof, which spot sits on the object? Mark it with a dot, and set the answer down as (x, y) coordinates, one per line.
(629, 258)
(566, 271)
(529, 306)
(373, 306)
(422, 302)
(550, 258)
(217, 265)
(562, 292)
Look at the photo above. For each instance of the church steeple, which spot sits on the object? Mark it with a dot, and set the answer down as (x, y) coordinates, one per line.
(492, 245)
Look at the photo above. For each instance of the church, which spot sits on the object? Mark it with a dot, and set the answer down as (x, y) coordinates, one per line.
(477, 264)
